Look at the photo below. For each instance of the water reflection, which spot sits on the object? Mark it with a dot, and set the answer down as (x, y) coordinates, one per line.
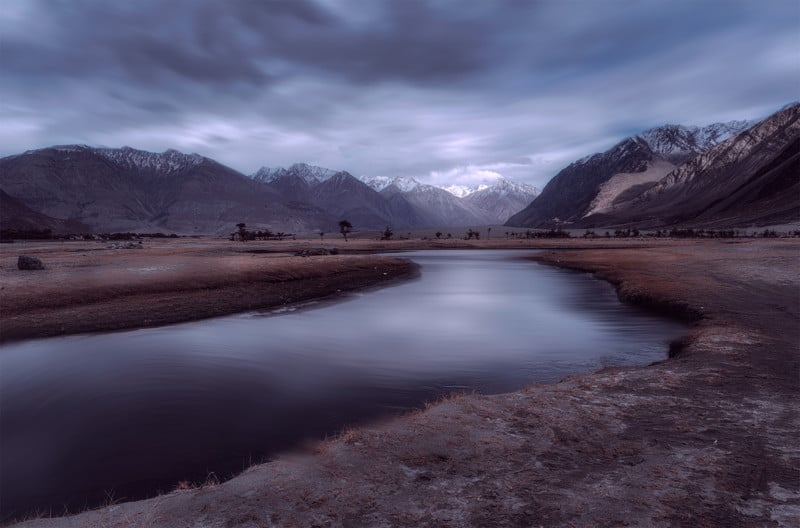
(137, 411)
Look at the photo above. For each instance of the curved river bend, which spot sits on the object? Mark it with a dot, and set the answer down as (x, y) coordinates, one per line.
(132, 413)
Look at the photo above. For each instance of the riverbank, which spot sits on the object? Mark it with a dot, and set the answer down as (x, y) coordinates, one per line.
(93, 287)
(98, 286)
(706, 438)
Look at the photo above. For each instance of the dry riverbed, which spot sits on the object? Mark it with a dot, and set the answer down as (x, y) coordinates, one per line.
(706, 438)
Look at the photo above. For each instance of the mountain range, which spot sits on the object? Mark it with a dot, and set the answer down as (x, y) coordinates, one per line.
(738, 173)
(732, 174)
(104, 190)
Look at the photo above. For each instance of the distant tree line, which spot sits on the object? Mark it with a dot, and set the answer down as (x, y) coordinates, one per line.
(691, 233)
(552, 233)
(47, 234)
(243, 235)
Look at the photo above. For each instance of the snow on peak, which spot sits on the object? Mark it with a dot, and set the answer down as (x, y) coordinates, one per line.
(310, 173)
(377, 183)
(168, 161)
(459, 190)
(66, 148)
(403, 183)
(504, 187)
(672, 140)
(499, 186)
(462, 191)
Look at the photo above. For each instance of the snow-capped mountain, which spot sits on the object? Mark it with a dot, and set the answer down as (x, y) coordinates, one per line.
(503, 199)
(678, 143)
(437, 207)
(377, 183)
(167, 162)
(400, 183)
(132, 190)
(732, 177)
(463, 191)
(749, 178)
(461, 205)
(311, 174)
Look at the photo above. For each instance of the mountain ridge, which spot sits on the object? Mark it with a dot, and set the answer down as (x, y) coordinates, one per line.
(619, 186)
(730, 171)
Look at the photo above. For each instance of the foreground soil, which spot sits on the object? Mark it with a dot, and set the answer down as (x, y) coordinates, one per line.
(706, 438)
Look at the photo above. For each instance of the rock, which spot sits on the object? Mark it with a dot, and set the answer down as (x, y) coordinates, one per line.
(25, 262)
(313, 252)
(127, 245)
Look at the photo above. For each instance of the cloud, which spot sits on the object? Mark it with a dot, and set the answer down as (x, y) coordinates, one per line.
(432, 89)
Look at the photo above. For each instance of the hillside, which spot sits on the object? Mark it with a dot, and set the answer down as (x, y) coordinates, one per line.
(729, 175)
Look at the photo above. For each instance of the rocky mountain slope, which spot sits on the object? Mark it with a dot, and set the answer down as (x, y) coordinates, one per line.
(435, 206)
(750, 179)
(503, 199)
(732, 177)
(346, 196)
(569, 195)
(678, 144)
(482, 204)
(125, 189)
(16, 217)
(600, 190)
(310, 174)
(400, 202)
(132, 190)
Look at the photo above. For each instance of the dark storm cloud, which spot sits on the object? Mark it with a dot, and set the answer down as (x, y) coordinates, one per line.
(235, 42)
(438, 89)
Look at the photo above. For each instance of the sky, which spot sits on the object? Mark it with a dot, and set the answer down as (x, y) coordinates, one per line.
(448, 92)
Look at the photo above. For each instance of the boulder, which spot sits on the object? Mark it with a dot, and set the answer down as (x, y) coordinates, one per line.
(24, 262)
(312, 252)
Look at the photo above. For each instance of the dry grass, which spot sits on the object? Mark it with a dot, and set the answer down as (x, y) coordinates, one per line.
(85, 291)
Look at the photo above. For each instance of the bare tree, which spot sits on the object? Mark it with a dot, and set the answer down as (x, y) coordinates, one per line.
(345, 227)
(242, 231)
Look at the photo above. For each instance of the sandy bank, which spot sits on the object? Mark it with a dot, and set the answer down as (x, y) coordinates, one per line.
(707, 438)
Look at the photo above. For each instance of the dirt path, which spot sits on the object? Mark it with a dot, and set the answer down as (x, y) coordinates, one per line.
(707, 438)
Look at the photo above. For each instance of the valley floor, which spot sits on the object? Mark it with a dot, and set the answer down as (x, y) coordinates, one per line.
(706, 438)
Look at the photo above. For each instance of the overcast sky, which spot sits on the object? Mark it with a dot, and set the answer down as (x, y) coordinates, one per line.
(444, 91)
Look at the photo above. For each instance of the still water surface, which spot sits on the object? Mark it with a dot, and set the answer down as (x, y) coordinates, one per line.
(132, 413)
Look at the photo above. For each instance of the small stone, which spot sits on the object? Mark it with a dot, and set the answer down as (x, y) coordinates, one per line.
(25, 262)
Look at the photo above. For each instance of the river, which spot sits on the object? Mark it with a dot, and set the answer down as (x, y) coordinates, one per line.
(118, 416)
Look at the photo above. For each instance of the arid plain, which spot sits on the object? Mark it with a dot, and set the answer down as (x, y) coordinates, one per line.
(706, 437)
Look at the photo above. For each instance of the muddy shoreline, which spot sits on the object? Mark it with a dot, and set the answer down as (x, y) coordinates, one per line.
(707, 438)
